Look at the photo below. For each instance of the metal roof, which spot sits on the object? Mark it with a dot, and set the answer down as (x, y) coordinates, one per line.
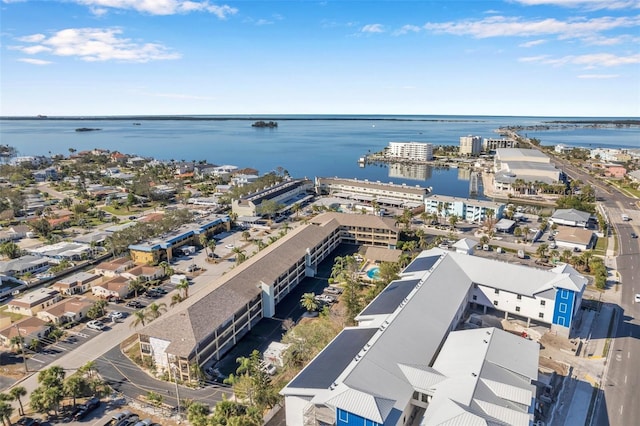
(323, 371)
(389, 300)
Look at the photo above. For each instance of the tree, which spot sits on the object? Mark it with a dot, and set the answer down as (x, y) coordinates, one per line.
(175, 299)
(240, 255)
(139, 317)
(17, 393)
(97, 310)
(542, 250)
(197, 414)
(6, 411)
(154, 310)
(309, 302)
(212, 247)
(183, 288)
(135, 286)
(202, 239)
(453, 220)
(10, 249)
(75, 387)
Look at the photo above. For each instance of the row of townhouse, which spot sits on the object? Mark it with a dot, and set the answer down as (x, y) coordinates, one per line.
(441, 376)
(208, 327)
(285, 193)
(384, 194)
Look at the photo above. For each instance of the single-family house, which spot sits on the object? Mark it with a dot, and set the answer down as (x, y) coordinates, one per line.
(22, 265)
(13, 233)
(114, 267)
(75, 284)
(116, 287)
(575, 238)
(571, 217)
(27, 330)
(34, 301)
(72, 309)
(144, 273)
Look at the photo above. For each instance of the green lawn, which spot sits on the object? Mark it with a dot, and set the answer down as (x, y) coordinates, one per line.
(601, 246)
(5, 313)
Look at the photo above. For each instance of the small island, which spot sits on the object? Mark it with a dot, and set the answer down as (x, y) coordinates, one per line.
(86, 129)
(270, 124)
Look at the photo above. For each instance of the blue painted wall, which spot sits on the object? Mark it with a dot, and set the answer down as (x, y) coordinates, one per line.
(563, 309)
(344, 418)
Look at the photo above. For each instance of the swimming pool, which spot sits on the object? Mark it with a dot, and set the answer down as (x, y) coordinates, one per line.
(374, 273)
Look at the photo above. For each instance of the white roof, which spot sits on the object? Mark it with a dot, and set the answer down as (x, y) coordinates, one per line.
(465, 244)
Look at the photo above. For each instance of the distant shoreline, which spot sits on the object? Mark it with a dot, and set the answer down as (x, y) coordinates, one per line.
(618, 121)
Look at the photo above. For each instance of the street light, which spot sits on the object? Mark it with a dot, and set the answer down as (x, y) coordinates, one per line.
(24, 355)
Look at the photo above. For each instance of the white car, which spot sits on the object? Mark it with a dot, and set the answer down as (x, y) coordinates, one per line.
(95, 325)
(637, 297)
(229, 246)
(115, 315)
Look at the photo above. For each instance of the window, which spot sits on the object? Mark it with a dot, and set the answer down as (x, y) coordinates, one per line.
(519, 297)
(541, 315)
(495, 302)
(343, 416)
(496, 291)
(542, 303)
(517, 308)
(475, 297)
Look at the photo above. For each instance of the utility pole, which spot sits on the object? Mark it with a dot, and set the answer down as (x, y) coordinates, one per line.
(175, 379)
(24, 355)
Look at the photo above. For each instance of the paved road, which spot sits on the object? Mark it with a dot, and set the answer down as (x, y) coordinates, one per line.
(618, 403)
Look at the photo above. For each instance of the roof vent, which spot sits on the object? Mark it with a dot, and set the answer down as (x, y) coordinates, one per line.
(474, 374)
(485, 341)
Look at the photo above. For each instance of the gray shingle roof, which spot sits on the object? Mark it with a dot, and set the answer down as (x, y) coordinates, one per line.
(197, 318)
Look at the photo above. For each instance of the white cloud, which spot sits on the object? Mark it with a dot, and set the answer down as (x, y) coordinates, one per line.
(161, 7)
(372, 28)
(98, 44)
(593, 60)
(586, 4)
(532, 43)
(501, 26)
(33, 61)
(405, 29)
(34, 38)
(598, 76)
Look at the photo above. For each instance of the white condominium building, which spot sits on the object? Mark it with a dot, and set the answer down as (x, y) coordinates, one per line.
(491, 144)
(470, 145)
(411, 150)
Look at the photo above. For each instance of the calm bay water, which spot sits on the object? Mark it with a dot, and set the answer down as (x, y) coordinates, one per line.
(305, 146)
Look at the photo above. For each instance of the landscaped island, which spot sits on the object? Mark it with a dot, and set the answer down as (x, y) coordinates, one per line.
(270, 124)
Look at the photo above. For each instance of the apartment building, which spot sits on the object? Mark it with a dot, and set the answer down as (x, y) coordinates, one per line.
(34, 301)
(284, 193)
(467, 209)
(492, 144)
(413, 151)
(470, 145)
(385, 194)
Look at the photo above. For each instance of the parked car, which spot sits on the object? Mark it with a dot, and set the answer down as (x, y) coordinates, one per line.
(634, 235)
(161, 290)
(28, 421)
(637, 297)
(87, 407)
(145, 422)
(116, 315)
(95, 325)
(134, 304)
(333, 290)
(268, 368)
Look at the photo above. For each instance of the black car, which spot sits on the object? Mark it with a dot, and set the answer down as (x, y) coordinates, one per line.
(134, 304)
(28, 421)
(86, 408)
(634, 235)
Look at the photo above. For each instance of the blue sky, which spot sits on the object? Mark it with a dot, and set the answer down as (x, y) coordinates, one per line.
(513, 57)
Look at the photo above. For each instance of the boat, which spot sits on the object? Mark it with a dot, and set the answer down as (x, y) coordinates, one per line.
(136, 124)
(87, 129)
(270, 124)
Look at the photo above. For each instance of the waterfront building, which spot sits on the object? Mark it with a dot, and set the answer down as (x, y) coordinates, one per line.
(562, 148)
(413, 151)
(162, 248)
(34, 301)
(525, 165)
(385, 194)
(116, 287)
(571, 217)
(493, 144)
(440, 375)
(22, 265)
(12, 233)
(470, 145)
(114, 267)
(610, 155)
(467, 209)
(62, 251)
(285, 193)
(205, 328)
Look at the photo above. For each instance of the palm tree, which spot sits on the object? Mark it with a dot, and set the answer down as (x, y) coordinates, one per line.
(586, 256)
(240, 256)
(183, 288)
(308, 302)
(17, 393)
(6, 410)
(202, 239)
(542, 250)
(139, 317)
(135, 286)
(16, 341)
(175, 299)
(453, 220)
(212, 246)
(154, 310)
(34, 344)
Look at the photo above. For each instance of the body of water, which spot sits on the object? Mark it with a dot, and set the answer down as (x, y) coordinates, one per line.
(306, 146)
